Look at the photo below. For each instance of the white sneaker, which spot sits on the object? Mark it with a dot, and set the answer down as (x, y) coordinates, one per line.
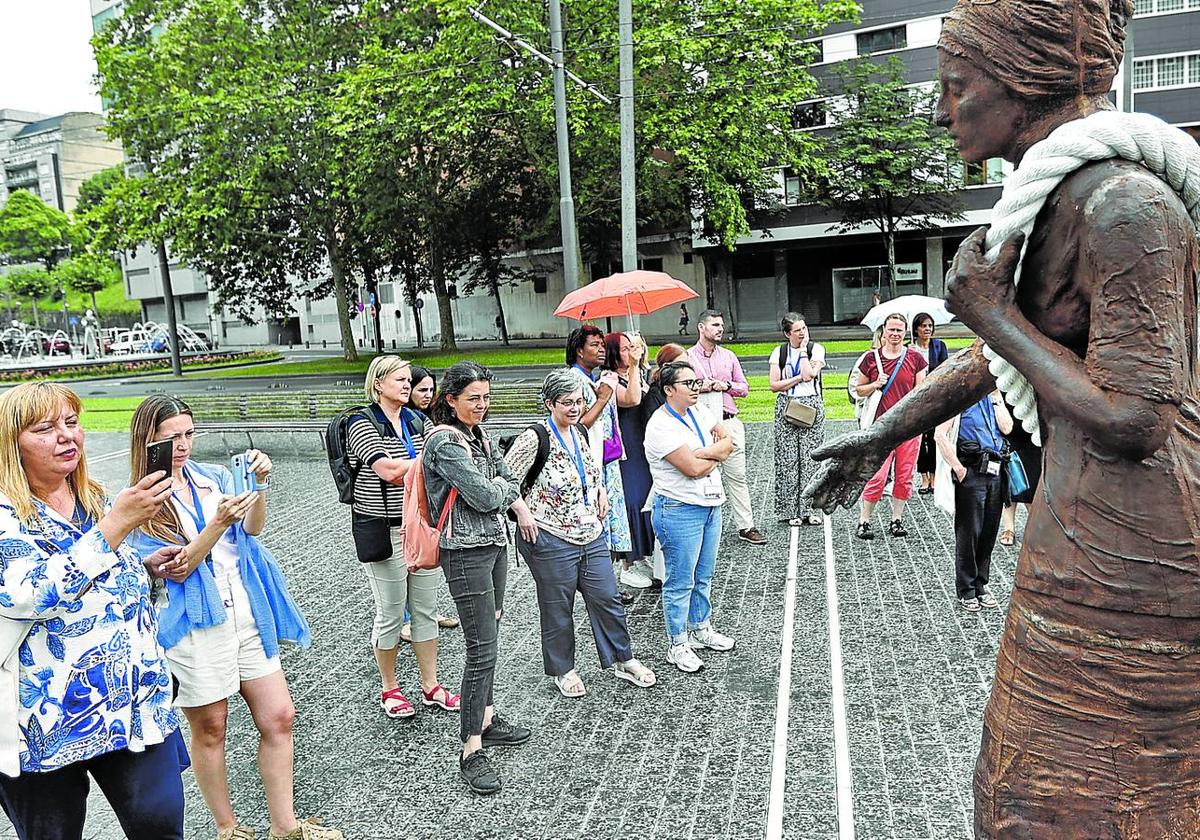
(684, 658)
(635, 577)
(706, 637)
(645, 568)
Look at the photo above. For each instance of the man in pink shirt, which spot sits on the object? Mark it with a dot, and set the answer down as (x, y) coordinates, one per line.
(722, 381)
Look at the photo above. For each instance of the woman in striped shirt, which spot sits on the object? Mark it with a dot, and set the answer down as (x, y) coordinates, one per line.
(383, 443)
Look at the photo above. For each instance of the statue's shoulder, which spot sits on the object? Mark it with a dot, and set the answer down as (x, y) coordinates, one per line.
(1117, 191)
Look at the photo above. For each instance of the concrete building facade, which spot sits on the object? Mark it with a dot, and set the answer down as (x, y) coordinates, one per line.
(794, 262)
(51, 156)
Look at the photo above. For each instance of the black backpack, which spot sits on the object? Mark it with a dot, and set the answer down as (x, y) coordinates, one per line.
(783, 354)
(337, 449)
(543, 451)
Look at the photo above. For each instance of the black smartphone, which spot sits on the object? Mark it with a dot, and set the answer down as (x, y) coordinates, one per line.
(158, 456)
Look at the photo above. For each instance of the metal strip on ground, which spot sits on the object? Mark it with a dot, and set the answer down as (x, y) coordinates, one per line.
(841, 737)
(783, 699)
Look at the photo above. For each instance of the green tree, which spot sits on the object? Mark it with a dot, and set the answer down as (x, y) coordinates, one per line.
(887, 164)
(31, 230)
(87, 274)
(28, 282)
(242, 91)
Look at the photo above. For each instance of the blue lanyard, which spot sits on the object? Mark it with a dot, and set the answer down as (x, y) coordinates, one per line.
(197, 514)
(578, 456)
(692, 417)
(404, 435)
(795, 366)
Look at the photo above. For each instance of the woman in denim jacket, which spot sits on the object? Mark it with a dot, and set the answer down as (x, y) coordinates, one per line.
(474, 553)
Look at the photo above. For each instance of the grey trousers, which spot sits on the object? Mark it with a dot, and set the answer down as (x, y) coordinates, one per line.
(476, 578)
(560, 569)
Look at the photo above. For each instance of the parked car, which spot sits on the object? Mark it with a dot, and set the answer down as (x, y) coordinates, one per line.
(60, 346)
(129, 344)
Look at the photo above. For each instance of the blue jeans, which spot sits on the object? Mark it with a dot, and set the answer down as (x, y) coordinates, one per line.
(690, 536)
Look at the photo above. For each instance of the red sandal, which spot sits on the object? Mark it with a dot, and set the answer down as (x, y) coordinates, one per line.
(396, 705)
(439, 695)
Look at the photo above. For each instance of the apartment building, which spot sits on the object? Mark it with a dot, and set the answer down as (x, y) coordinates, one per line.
(795, 262)
(51, 156)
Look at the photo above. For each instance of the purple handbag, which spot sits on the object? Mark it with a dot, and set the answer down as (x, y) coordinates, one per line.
(614, 449)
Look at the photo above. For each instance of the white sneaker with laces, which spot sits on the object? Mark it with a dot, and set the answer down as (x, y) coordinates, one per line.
(635, 577)
(684, 658)
(707, 637)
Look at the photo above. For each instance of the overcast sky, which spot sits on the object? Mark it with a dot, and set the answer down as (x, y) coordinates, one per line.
(46, 62)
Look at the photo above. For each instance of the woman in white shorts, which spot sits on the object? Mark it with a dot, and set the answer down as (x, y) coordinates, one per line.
(222, 616)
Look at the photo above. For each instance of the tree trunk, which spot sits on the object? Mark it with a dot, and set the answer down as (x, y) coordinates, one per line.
(164, 269)
(445, 313)
(36, 325)
(95, 308)
(889, 238)
(718, 274)
(495, 289)
(349, 352)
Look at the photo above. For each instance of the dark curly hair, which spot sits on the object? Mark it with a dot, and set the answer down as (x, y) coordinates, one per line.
(457, 378)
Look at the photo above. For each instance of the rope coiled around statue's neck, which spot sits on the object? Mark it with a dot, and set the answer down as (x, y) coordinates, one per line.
(1169, 153)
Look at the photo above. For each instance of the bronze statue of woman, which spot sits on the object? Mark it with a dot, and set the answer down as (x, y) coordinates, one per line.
(1093, 725)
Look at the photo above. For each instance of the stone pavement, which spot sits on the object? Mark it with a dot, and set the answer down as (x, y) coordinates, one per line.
(691, 758)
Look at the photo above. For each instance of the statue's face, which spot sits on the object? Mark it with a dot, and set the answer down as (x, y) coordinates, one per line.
(979, 112)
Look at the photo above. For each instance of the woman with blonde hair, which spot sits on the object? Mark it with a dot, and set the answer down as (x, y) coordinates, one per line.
(84, 685)
(384, 442)
(225, 611)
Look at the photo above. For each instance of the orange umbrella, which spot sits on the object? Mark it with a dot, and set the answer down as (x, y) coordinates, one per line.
(628, 293)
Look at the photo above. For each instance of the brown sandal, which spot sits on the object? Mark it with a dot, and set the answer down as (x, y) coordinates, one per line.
(1007, 537)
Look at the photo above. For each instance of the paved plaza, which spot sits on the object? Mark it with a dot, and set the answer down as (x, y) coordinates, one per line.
(695, 757)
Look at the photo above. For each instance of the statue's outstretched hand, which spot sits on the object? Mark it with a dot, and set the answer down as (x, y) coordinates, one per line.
(849, 461)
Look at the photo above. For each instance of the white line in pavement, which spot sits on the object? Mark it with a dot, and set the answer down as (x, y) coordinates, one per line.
(783, 699)
(841, 738)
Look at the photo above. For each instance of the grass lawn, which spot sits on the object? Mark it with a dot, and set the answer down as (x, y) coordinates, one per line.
(510, 358)
(113, 414)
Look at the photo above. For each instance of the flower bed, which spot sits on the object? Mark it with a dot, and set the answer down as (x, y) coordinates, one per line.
(102, 369)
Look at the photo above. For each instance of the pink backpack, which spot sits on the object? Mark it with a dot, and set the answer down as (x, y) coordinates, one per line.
(417, 535)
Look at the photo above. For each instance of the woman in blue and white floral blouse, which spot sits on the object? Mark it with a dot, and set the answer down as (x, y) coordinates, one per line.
(84, 686)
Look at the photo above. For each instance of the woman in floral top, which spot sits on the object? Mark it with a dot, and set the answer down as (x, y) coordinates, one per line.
(562, 538)
(84, 687)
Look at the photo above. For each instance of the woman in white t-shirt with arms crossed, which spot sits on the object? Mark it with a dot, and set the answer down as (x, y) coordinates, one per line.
(685, 445)
(796, 375)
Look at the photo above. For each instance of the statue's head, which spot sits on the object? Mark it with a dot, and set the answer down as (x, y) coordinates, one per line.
(1005, 64)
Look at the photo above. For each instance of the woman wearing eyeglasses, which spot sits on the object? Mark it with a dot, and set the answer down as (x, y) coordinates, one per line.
(561, 536)
(473, 550)
(685, 446)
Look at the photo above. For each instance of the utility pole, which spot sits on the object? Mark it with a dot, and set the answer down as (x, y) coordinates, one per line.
(566, 203)
(628, 176)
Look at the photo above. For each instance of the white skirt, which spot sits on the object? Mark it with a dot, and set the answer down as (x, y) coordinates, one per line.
(213, 662)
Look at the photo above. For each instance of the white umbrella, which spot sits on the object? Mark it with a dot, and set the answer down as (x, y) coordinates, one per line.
(910, 306)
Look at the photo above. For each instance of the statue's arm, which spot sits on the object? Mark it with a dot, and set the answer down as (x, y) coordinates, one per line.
(1137, 249)
(852, 459)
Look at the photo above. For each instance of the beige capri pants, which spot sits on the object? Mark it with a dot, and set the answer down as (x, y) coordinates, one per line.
(393, 586)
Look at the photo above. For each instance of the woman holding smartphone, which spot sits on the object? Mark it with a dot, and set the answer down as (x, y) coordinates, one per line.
(226, 610)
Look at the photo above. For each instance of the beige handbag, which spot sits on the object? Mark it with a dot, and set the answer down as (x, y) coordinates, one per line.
(800, 414)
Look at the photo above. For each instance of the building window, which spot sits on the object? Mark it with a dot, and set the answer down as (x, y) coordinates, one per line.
(387, 293)
(809, 115)
(1168, 72)
(984, 173)
(651, 264)
(539, 284)
(1162, 7)
(882, 40)
(1143, 7)
(793, 187)
(1170, 5)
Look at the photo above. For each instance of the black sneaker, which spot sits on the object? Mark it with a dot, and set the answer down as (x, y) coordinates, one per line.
(503, 734)
(864, 531)
(477, 771)
(896, 529)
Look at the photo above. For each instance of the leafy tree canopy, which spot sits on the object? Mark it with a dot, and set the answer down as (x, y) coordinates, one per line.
(31, 230)
(28, 282)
